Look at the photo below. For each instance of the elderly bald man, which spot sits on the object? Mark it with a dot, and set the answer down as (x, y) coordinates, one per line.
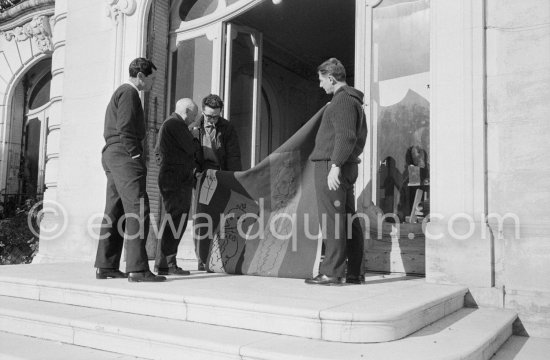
(176, 152)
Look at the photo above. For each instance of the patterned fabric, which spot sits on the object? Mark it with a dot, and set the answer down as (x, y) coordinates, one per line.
(263, 221)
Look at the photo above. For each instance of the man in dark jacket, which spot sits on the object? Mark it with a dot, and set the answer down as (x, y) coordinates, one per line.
(176, 152)
(339, 142)
(219, 140)
(219, 151)
(127, 203)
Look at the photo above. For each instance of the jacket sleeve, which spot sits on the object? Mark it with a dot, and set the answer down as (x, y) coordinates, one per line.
(232, 150)
(194, 128)
(345, 128)
(127, 116)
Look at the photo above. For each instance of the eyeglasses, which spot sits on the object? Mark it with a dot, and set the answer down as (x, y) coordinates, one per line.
(210, 117)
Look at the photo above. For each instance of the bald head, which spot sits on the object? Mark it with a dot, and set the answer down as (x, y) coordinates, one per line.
(187, 109)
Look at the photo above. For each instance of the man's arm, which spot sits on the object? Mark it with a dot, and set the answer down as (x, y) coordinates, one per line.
(345, 137)
(345, 128)
(127, 113)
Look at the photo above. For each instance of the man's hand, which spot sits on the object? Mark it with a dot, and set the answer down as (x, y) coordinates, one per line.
(333, 178)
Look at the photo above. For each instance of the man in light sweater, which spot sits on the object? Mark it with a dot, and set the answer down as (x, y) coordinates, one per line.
(339, 142)
(127, 203)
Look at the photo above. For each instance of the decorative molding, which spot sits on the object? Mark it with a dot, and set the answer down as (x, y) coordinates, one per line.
(117, 7)
(38, 28)
(23, 11)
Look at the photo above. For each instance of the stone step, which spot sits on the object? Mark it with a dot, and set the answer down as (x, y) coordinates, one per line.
(524, 348)
(19, 347)
(465, 334)
(385, 309)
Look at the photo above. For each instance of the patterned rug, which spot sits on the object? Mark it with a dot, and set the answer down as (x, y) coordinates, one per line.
(263, 221)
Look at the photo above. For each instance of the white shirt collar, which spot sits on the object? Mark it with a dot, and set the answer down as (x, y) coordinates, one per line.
(133, 85)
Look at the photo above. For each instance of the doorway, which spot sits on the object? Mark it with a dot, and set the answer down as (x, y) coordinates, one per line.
(293, 37)
(26, 139)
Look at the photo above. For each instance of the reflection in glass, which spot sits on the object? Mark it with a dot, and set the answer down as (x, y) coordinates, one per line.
(192, 70)
(194, 9)
(400, 99)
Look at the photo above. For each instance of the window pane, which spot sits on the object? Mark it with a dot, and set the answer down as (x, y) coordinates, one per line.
(194, 9)
(401, 65)
(192, 70)
(242, 93)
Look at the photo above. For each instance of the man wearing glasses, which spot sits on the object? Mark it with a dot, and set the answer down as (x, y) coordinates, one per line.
(220, 144)
(220, 150)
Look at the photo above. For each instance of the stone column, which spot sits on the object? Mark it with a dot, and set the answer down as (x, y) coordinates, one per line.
(51, 217)
(459, 244)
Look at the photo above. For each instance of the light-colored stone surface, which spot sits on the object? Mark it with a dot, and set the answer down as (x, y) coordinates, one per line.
(459, 252)
(386, 308)
(509, 14)
(18, 347)
(523, 348)
(518, 88)
(465, 334)
(534, 310)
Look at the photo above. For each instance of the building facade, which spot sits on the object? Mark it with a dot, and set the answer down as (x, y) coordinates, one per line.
(457, 95)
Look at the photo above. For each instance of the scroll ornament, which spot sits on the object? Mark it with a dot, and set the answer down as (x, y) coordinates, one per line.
(117, 7)
(39, 29)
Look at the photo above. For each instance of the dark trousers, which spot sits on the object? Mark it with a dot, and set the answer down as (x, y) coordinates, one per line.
(176, 188)
(126, 211)
(334, 210)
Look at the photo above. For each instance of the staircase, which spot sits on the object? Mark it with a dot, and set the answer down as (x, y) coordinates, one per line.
(62, 310)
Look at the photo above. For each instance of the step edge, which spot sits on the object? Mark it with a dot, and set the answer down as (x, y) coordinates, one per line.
(193, 300)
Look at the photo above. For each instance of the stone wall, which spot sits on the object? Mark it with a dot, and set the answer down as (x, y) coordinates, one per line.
(518, 126)
(88, 82)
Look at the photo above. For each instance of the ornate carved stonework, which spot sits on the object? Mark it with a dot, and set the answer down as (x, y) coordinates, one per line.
(117, 7)
(38, 29)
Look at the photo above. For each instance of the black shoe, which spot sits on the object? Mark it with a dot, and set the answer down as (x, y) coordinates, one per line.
(144, 276)
(355, 279)
(102, 273)
(322, 279)
(172, 270)
(201, 266)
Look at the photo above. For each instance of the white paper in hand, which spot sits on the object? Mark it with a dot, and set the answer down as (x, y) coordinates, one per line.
(208, 187)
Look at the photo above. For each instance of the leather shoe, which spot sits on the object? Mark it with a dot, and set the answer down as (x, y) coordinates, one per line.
(355, 279)
(172, 270)
(323, 279)
(102, 273)
(144, 276)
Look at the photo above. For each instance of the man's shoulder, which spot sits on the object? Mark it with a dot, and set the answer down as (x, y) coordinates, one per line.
(174, 122)
(126, 87)
(126, 90)
(224, 124)
(348, 92)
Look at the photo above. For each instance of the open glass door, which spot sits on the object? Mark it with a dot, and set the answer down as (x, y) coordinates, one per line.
(242, 89)
(400, 118)
(195, 63)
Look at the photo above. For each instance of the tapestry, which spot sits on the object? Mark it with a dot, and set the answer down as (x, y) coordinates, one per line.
(263, 221)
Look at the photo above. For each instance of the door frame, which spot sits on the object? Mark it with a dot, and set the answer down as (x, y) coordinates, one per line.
(257, 41)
